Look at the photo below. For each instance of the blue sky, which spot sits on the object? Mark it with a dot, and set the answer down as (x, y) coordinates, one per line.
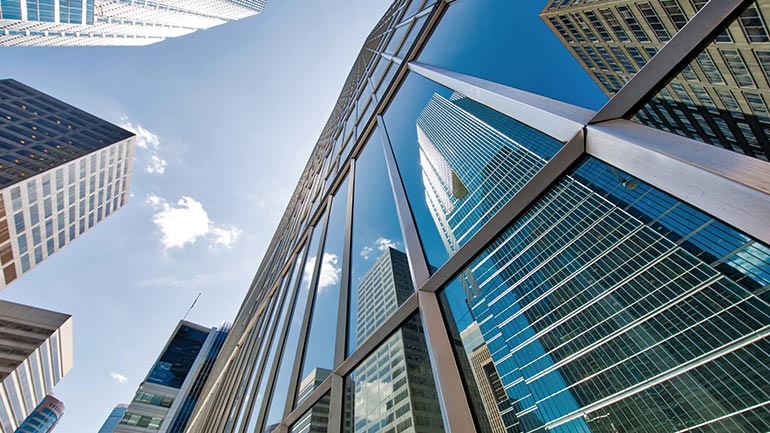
(227, 118)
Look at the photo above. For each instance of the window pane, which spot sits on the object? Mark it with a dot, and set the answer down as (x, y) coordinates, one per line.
(274, 336)
(376, 241)
(316, 420)
(319, 350)
(490, 39)
(460, 161)
(277, 401)
(612, 306)
(393, 390)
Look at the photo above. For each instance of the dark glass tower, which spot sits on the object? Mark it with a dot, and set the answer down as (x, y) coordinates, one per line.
(44, 418)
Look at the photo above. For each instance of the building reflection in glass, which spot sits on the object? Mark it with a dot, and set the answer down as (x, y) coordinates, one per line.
(609, 306)
(393, 388)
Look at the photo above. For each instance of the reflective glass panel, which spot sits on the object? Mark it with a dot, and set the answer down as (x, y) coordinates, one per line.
(377, 252)
(506, 42)
(393, 390)
(611, 306)
(277, 401)
(721, 97)
(319, 350)
(460, 161)
(316, 420)
(274, 340)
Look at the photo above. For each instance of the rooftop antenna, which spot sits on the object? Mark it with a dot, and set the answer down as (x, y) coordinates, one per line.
(191, 306)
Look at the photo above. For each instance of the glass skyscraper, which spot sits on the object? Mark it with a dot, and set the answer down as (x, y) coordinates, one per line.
(37, 351)
(105, 22)
(62, 171)
(462, 255)
(44, 418)
(166, 398)
(113, 419)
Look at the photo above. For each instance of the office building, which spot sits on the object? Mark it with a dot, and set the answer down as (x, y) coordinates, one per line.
(44, 418)
(113, 419)
(105, 22)
(719, 98)
(36, 353)
(62, 171)
(618, 275)
(167, 396)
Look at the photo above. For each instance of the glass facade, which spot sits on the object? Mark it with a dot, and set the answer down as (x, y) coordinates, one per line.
(495, 261)
(44, 418)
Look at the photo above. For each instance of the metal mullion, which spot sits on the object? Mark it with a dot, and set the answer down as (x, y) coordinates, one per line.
(738, 186)
(446, 373)
(246, 364)
(341, 337)
(552, 171)
(418, 265)
(268, 342)
(554, 118)
(281, 343)
(340, 347)
(294, 379)
(220, 406)
(336, 404)
(687, 43)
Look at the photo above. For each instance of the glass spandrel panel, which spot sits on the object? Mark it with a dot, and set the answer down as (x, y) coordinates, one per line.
(612, 306)
(259, 397)
(319, 349)
(460, 161)
(507, 42)
(277, 402)
(721, 97)
(393, 390)
(315, 420)
(377, 252)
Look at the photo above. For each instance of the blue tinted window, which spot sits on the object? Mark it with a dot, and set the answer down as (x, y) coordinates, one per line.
(173, 366)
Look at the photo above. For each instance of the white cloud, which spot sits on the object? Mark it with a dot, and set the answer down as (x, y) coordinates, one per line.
(186, 221)
(149, 143)
(117, 377)
(176, 281)
(329, 274)
(380, 244)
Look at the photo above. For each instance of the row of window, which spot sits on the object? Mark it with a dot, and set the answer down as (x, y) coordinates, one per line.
(603, 25)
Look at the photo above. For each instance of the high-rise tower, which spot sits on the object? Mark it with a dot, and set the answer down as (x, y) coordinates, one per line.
(62, 171)
(37, 352)
(166, 398)
(113, 22)
(44, 418)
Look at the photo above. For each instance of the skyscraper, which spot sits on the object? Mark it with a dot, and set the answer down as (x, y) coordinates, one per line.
(619, 275)
(109, 22)
(37, 353)
(166, 398)
(316, 420)
(113, 419)
(62, 171)
(44, 418)
(719, 98)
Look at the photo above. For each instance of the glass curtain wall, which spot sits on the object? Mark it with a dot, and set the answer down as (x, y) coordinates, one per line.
(461, 255)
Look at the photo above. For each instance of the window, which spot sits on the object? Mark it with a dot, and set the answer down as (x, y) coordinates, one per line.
(621, 56)
(737, 68)
(608, 58)
(637, 56)
(674, 12)
(633, 24)
(598, 26)
(758, 106)
(654, 21)
(763, 58)
(617, 29)
(709, 68)
(753, 25)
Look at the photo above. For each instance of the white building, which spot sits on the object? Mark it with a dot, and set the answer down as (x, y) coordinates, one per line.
(113, 22)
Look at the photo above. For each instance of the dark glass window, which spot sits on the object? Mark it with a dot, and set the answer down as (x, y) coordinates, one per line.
(178, 357)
